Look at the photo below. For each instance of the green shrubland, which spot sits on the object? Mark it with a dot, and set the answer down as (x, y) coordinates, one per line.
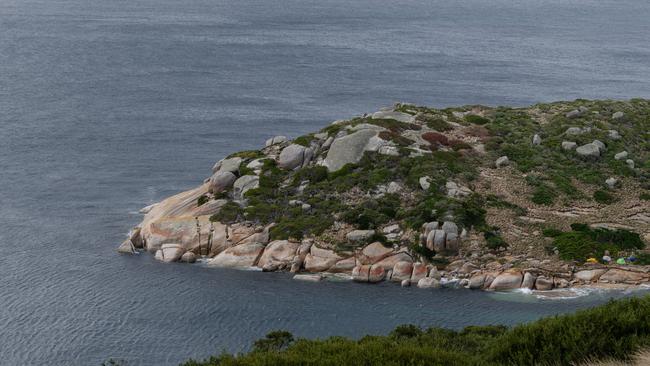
(583, 242)
(615, 330)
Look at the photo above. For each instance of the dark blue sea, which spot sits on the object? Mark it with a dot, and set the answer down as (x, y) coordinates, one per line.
(107, 106)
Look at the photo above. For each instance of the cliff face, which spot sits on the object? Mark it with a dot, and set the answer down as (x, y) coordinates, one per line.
(480, 197)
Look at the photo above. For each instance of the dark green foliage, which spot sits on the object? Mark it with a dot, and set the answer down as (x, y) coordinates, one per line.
(247, 154)
(584, 242)
(579, 226)
(459, 145)
(477, 120)
(273, 342)
(494, 201)
(437, 124)
(202, 199)
(393, 125)
(244, 170)
(396, 138)
(312, 174)
(228, 214)
(406, 331)
(494, 240)
(642, 259)
(298, 225)
(422, 250)
(645, 196)
(471, 212)
(564, 185)
(543, 195)
(551, 232)
(615, 330)
(604, 197)
(373, 213)
(304, 140)
(440, 164)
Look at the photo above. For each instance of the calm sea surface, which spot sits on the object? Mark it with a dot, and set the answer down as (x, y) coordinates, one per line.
(110, 105)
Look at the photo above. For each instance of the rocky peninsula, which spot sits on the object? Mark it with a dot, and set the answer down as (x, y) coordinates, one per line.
(492, 198)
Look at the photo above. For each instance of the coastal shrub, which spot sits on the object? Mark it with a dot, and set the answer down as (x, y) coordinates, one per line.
(551, 232)
(493, 240)
(604, 197)
(373, 213)
(543, 195)
(273, 342)
(583, 242)
(298, 225)
(247, 154)
(202, 199)
(459, 145)
(435, 138)
(229, 213)
(563, 183)
(475, 119)
(642, 259)
(615, 330)
(436, 123)
(422, 250)
(396, 138)
(494, 201)
(645, 196)
(393, 125)
(244, 170)
(313, 174)
(304, 140)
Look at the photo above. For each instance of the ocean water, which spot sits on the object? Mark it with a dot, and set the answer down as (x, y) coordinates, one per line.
(108, 106)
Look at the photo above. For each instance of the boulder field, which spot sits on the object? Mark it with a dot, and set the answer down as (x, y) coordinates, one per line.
(458, 197)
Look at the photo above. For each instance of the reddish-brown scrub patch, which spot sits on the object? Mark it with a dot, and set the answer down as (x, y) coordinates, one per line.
(459, 145)
(478, 131)
(435, 138)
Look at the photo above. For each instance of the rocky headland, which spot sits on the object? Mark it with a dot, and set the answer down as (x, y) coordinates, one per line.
(475, 197)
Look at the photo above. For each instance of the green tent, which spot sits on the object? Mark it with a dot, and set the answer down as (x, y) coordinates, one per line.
(620, 261)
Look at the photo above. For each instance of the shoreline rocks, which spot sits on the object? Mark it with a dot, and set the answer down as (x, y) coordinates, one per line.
(421, 216)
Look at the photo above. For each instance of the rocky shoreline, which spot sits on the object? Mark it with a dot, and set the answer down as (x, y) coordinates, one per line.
(450, 251)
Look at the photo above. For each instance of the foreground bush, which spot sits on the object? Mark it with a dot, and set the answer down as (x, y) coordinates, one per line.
(613, 331)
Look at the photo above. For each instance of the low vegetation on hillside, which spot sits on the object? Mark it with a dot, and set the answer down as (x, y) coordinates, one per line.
(613, 331)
